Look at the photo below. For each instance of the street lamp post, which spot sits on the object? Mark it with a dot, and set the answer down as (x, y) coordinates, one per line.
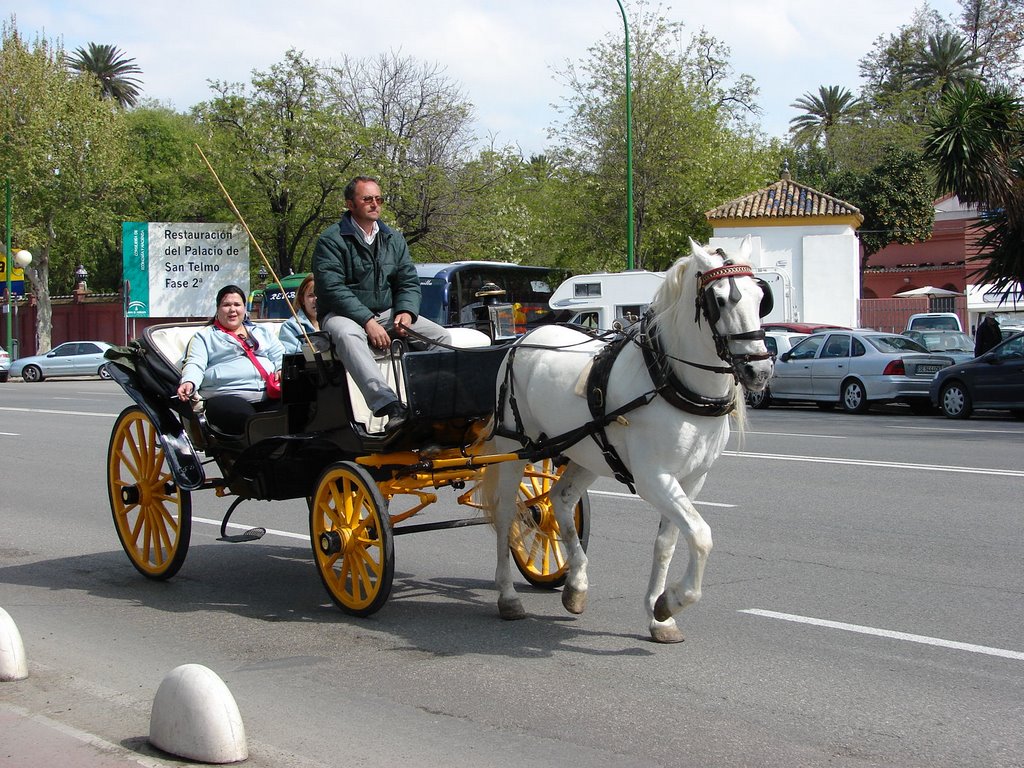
(629, 146)
(21, 259)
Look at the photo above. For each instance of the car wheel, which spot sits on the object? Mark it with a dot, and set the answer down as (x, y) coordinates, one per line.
(760, 399)
(954, 401)
(32, 373)
(103, 373)
(854, 399)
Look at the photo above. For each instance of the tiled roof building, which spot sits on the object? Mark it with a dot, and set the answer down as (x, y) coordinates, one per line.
(780, 203)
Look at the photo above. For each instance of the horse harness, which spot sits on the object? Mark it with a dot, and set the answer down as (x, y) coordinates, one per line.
(666, 384)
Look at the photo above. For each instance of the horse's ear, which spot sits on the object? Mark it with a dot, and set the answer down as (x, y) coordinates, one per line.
(745, 248)
(697, 249)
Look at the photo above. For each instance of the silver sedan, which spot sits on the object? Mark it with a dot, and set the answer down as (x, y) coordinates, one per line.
(857, 368)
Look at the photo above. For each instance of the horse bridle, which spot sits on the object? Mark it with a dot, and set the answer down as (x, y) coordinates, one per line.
(707, 305)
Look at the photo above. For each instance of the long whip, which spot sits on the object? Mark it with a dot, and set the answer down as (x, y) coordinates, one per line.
(266, 261)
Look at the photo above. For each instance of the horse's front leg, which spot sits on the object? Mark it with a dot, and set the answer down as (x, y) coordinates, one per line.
(564, 496)
(673, 500)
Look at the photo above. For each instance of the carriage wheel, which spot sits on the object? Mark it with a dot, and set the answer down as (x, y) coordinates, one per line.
(537, 546)
(353, 545)
(152, 516)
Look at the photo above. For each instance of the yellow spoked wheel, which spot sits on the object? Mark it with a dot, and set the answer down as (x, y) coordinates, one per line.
(537, 546)
(153, 517)
(353, 545)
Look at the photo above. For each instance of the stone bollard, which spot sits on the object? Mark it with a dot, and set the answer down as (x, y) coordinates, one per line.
(194, 716)
(13, 662)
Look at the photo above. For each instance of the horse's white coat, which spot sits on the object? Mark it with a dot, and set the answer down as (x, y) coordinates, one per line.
(668, 451)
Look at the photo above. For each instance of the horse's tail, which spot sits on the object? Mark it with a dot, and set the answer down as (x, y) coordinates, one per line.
(739, 414)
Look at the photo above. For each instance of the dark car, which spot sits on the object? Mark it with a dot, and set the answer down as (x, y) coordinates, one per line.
(994, 381)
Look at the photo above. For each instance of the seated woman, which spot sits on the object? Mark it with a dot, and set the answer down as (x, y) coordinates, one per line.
(231, 364)
(291, 333)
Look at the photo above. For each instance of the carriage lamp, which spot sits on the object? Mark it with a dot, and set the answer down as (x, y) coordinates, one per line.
(81, 275)
(500, 321)
(262, 274)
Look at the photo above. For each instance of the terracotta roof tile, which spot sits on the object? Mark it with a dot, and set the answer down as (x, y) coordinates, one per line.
(783, 199)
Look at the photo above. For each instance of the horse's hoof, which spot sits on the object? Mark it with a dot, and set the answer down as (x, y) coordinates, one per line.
(661, 611)
(511, 610)
(666, 633)
(574, 600)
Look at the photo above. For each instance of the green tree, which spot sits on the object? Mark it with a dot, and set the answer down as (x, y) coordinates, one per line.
(946, 60)
(114, 72)
(822, 112)
(897, 201)
(284, 153)
(995, 31)
(64, 150)
(692, 145)
(976, 147)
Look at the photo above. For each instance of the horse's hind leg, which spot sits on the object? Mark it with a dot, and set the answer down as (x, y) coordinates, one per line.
(564, 495)
(672, 500)
(501, 484)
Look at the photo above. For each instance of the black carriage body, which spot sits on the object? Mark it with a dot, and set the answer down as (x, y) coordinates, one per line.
(285, 450)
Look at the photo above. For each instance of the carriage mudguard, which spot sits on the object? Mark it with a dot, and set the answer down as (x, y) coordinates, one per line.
(181, 455)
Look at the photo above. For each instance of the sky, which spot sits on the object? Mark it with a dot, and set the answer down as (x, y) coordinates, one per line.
(504, 53)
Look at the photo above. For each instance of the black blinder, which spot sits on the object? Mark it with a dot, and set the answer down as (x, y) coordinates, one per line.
(767, 299)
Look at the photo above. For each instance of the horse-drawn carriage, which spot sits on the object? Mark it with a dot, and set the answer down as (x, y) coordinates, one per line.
(361, 483)
(648, 408)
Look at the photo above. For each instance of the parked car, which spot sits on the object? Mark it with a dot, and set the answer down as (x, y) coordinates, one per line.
(5, 364)
(804, 328)
(777, 343)
(934, 321)
(1010, 330)
(72, 358)
(856, 368)
(955, 344)
(993, 381)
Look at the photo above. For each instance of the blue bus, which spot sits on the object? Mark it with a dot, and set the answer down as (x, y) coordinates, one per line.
(449, 292)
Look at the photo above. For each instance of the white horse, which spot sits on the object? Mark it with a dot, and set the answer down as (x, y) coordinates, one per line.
(706, 313)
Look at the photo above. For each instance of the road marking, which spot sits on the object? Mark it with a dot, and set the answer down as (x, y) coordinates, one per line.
(240, 526)
(965, 429)
(61, 413)
(10, 434)
(869, 463)
(794, 434)
(114, 751)
(922, 639)
(634, 496)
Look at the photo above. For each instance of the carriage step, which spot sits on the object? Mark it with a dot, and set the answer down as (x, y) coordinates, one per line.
(253, 534)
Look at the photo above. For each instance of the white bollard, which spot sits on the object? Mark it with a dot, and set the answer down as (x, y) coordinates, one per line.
(194, 716)
(13, 662)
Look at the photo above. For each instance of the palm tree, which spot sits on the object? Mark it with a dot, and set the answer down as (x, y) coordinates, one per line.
(832, 106)
(946, 61)
(112, 69)
(976, 146)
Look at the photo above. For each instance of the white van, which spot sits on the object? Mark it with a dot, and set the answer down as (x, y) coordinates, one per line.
(934, 321)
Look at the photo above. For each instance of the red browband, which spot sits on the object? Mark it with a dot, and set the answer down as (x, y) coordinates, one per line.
(718, 273)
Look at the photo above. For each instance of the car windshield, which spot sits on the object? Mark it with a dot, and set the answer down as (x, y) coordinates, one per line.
(894, 344)
(945, 341)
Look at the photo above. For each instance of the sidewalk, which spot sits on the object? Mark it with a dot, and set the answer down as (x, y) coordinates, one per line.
(35, 741)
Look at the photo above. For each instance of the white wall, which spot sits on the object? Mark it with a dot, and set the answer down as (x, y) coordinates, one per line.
(823, 263)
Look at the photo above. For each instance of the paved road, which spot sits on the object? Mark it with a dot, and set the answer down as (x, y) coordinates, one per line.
(862, 607)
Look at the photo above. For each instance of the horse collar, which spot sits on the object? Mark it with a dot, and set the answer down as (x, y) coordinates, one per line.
(669, 386)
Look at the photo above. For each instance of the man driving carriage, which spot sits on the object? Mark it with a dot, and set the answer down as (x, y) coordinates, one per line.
(367, 290)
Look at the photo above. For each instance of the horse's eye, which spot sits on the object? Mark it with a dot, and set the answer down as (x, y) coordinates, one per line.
(721, 301)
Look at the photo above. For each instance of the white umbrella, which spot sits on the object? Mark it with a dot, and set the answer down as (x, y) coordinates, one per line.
(928, 290)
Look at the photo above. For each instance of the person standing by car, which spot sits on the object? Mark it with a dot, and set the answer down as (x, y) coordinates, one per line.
(295, 329)
(232, 364)
(988, 335)
(367, 290)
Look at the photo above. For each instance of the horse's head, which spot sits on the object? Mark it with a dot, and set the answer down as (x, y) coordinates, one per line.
(732, 301)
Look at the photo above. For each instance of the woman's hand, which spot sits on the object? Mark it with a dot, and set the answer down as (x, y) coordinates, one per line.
(186, 390)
